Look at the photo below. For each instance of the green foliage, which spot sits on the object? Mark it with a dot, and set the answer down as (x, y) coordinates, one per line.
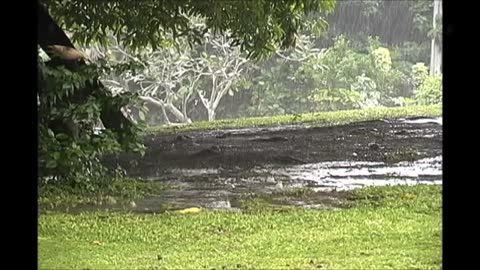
(381, 59)
(257, 26)
(429, 91)
(428, 88)
(422, 15)
(69, 146)
(403, 25)
(340, 77)
(412, 52)
(419, 73)
(276, 91)
(337, 99)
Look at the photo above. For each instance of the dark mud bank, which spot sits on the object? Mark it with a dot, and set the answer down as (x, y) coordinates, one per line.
(239, 149)
(213, 169)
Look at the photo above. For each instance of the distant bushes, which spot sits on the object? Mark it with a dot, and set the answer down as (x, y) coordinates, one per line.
(428, 89)
(340, 77)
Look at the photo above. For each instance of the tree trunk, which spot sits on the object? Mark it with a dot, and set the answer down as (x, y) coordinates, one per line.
(172, 109)
(164, 113)
(436, 53)
(211, 114)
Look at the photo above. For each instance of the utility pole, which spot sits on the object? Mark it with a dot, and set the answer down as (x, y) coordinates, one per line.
(436, 51)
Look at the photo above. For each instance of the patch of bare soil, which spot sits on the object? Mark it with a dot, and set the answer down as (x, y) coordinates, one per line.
(243, 149)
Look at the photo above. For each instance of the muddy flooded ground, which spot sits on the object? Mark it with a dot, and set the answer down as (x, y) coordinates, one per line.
(299, 165)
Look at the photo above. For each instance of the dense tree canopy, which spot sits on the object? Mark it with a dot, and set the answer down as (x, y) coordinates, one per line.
(257, 26)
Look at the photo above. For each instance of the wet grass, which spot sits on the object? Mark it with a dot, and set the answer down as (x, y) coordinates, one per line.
(295, 192)
(386, 228)
(257, 202)
(110, 191)
(406, 154)
(316, 119)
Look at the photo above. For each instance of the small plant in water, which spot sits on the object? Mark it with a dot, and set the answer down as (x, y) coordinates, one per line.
(407, 154)
(255, 205)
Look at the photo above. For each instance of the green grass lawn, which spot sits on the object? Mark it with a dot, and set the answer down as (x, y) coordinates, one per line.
(385, 228)
(315, 119)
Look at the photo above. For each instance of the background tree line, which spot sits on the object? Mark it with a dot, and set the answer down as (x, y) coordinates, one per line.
(364, 54)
